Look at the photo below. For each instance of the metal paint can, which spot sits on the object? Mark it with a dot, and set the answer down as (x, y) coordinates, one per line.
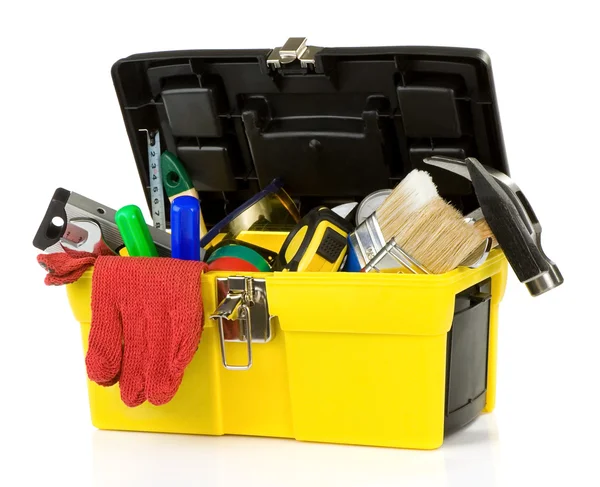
(370, 204)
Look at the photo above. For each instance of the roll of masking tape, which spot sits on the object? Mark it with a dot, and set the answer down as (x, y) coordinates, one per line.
(244, 253)
(231, 264)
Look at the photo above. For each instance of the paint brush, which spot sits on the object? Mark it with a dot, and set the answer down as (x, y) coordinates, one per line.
(438, 237)
(432, 234)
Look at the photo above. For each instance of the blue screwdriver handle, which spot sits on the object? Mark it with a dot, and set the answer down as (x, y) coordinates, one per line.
(185, 228)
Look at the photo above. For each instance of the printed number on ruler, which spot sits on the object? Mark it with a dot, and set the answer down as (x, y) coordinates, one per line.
(156, 186)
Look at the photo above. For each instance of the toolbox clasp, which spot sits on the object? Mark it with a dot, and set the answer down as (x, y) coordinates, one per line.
(243, 315)
(294, 49)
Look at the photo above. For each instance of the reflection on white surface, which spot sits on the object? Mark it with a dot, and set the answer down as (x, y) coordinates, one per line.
(155, 459)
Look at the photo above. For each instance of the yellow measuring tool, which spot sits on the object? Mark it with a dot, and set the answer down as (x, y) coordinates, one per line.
(317, 244)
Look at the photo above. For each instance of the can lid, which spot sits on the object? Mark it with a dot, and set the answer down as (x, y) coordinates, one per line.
(370, 204)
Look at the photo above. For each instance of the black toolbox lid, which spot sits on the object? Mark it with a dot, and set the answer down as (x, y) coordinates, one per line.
(334, 124)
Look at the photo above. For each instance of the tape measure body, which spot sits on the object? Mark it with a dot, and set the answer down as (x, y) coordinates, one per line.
(317, 244)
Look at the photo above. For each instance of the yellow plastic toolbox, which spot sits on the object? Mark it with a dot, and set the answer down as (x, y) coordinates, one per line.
(368, 359)
(381, 359)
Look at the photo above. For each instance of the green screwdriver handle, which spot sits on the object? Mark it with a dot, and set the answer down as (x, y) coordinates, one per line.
(134, 232)
(176, 180)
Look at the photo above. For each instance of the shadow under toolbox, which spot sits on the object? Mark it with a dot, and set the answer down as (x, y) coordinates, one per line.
(380, 359)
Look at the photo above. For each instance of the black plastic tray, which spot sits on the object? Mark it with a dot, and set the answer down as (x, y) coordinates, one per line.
(356, 121)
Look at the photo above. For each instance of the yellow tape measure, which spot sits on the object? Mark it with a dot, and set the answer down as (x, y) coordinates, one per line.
(317, 244)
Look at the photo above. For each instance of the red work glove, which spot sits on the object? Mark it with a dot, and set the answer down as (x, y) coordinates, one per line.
(146, 322)
(67, 267)
(146, 325)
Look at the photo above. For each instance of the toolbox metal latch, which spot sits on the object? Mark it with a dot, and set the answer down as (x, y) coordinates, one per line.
(243, 315)
(294, 49)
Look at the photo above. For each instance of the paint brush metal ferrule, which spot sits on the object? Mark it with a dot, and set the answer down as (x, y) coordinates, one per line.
(403, 260)
(374, 253)
(367, 240)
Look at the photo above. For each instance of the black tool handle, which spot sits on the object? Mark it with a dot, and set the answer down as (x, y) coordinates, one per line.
(48, 233)
(521, 246)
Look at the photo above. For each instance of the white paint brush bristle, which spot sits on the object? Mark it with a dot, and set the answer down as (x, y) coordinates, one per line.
(414, 192)
(438, 237)
(426, 227)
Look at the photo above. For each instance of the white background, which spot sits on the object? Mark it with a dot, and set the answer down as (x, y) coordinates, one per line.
(61, 126)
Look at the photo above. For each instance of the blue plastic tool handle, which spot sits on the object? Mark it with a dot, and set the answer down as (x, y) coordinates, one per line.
(185, 228)
(352, 263)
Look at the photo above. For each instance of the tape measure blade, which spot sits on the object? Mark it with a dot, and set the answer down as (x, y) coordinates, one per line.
(156, 186)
